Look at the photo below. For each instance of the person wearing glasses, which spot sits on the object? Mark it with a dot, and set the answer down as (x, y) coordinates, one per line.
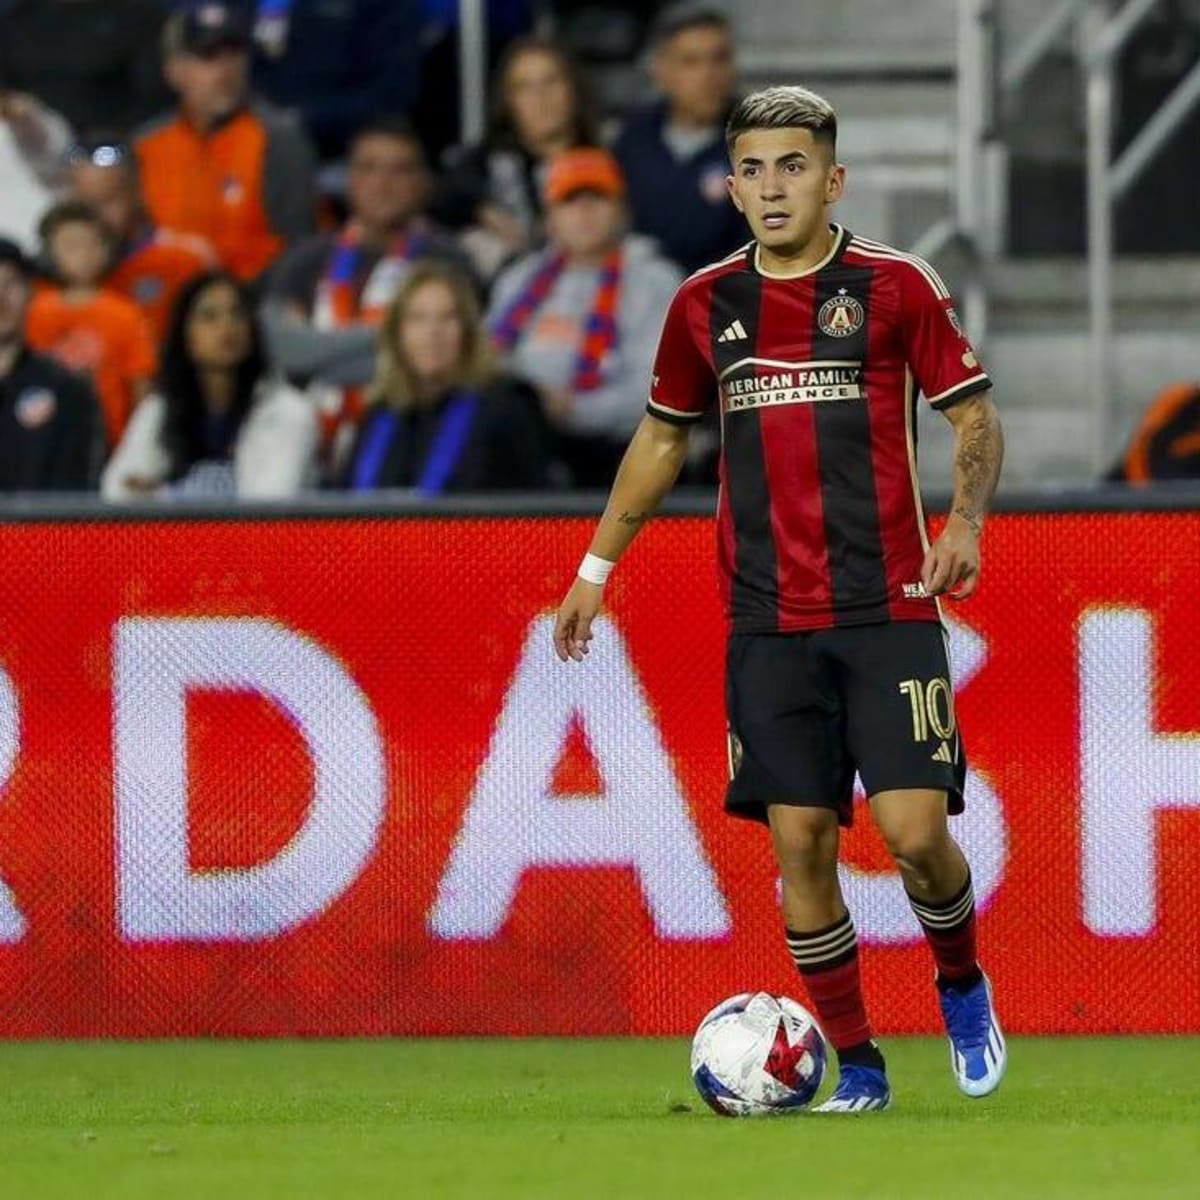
(150, 264)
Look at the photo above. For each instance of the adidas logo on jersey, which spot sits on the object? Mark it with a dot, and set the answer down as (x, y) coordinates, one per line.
(734, 333)
(942, 753)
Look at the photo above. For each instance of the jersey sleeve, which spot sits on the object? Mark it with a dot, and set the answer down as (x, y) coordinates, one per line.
(942, 360)
(682, 385)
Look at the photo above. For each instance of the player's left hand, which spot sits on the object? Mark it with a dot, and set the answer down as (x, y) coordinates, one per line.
(951, 566)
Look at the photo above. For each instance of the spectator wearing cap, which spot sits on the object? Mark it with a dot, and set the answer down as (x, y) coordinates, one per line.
(327, 296)
(33, 147)
(673, 152)
(149, 264)
(50, 437)
(339, 65)
(492, 192)
(86, 59)
(224, 167)
(92, 331)
(580, 320)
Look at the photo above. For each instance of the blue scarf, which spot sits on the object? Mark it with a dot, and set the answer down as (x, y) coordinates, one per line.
(386, 425)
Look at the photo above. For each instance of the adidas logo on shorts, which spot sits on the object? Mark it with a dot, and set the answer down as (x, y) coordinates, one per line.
(942, 753)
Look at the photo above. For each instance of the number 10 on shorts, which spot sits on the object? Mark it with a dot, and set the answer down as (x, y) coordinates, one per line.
(932, 706)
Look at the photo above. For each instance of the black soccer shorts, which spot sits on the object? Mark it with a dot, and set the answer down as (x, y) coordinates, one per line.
(806, 710)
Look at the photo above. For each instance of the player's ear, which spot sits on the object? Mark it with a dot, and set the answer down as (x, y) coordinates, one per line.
(731, 185)
(835, 184)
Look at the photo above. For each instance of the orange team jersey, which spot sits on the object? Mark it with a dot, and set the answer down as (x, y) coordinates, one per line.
(105, 339)
(154, 270)
(211, 185)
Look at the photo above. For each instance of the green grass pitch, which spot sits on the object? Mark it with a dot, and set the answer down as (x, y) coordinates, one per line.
(489, 1120)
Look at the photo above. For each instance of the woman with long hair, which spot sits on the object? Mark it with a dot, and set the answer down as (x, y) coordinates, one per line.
(440, 417)
(218, 423)
(541, 105)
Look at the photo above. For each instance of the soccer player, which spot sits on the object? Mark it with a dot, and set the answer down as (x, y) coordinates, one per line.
(813, 341)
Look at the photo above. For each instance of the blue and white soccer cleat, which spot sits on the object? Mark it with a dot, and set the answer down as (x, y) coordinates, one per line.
(859, 1090)
(978, 1054)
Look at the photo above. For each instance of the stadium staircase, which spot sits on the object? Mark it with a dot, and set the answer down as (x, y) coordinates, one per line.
(891, 69)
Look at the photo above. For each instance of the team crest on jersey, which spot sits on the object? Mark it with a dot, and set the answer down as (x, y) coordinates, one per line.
(35, 406)
(712, 185)
(147, 289)
(841, 315)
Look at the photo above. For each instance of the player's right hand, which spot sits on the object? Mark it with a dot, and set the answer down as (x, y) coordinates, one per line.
(573, 626)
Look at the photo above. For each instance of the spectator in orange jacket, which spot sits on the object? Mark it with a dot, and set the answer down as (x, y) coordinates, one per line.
(96, 333)
(151, 264)
(223, 166)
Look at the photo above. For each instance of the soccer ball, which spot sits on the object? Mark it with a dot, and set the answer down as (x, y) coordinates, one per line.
(757, 1055)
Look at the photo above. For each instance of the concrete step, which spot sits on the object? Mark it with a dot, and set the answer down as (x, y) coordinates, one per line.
(1044, 390)
(1051, 295)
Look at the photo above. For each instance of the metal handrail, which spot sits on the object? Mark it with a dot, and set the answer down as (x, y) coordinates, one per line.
(472, 71)
(1102, 30)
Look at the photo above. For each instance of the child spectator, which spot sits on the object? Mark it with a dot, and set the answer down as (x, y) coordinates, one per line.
(441, 418)
(580, 320)
(217, 424)
(150, 264)
(96, 333)
(540, 107)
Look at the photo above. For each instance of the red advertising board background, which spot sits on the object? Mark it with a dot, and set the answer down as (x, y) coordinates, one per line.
(657, 905)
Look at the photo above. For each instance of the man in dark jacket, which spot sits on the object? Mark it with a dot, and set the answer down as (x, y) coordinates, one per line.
(673, 152)
(339, 63)
(93, 61)
(50, 437)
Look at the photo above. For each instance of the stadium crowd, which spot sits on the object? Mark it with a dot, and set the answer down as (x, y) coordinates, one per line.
(241, 255)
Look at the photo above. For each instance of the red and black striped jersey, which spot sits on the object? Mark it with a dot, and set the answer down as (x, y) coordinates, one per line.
(820, 520)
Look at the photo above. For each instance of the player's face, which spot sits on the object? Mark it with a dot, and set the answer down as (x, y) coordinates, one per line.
(80, 253)
(211, 86)
(783, 180)
(110, 193)
(386, 182)
(14, 300)
(218, 329)
(431, 332)
(539, 97)
(695, 69)
(586, 223)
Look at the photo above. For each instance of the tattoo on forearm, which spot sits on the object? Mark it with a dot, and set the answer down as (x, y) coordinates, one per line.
(633, 518)
(978, 456)
(975, 522)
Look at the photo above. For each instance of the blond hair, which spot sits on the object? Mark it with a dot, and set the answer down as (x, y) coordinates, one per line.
(396, 383)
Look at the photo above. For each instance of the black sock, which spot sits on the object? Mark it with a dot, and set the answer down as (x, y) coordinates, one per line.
(864, 1054)
(965, 984)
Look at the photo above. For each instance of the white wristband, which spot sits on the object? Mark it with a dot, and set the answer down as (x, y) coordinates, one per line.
(595, 569)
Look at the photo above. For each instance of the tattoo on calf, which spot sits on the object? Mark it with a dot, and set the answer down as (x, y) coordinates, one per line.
(633, 518)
